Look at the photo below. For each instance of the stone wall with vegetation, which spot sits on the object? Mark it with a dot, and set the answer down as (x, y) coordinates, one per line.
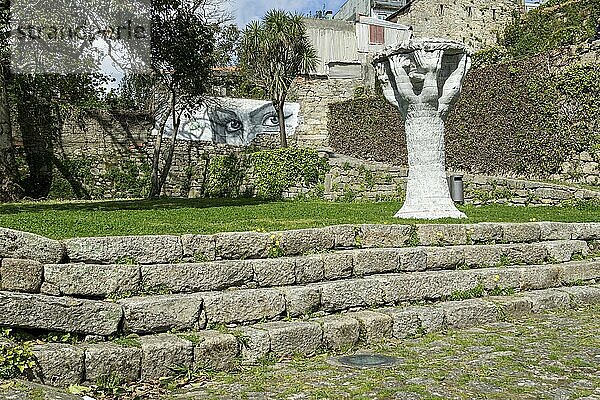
(352, 179)
(533, 118)
(100, 154)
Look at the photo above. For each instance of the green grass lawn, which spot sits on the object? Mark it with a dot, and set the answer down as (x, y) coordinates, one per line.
(178, 216)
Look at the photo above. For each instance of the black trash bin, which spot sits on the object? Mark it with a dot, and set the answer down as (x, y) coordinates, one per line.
(457, 188)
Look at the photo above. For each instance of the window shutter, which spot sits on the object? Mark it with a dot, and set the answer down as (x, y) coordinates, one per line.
(377, 34)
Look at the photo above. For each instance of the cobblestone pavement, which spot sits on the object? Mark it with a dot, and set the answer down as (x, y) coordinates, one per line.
(551, 356)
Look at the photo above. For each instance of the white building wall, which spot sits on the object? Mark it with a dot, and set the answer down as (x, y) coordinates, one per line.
(394, 33)
(334, 41)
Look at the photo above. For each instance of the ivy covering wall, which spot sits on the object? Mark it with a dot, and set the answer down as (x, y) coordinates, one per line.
(519, 117)
(528, 105)
(266, 174)
(555, 24)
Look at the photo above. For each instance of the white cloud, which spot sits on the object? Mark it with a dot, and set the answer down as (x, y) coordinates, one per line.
(245, 11)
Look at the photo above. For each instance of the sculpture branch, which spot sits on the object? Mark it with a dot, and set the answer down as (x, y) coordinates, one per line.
(386, 84)
(403, 82)
(453, 85)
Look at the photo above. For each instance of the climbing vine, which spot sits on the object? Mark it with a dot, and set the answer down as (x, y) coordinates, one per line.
(517, 117)
(266, 174)
(555, 24)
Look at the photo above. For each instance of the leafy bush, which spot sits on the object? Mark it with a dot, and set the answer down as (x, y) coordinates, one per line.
(490, 56)
(129, 179)
(15, 360)
(267, 173)
(274, 171)
(225, 176)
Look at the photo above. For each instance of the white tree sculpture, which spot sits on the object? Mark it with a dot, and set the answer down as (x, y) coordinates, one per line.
(423, 78)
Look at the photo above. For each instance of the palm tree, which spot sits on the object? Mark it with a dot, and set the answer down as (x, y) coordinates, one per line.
(274, 52)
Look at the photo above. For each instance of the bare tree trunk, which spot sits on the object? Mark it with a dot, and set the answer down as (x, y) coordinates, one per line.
(279, 104)
(158, 177)
(9, 189)
(154, 175)
(169, 157)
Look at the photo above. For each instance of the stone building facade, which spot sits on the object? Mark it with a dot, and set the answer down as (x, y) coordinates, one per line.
(351, 10)
(474, 22)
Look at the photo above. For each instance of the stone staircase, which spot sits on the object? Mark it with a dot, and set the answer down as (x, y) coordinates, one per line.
(154, 306)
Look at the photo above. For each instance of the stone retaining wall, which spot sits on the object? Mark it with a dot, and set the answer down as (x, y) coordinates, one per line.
(114, 151)
(153, 357)
(137, 310)
(351, 178)
(585, 168)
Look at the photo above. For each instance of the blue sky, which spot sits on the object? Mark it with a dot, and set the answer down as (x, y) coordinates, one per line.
(245, 11)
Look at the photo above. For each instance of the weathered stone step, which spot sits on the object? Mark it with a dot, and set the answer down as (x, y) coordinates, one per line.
(251, 245)
(65, 314)
(156, 356)
(101, 281)
(24, 245)
(247, 305)
(147, 357)
(162, 313)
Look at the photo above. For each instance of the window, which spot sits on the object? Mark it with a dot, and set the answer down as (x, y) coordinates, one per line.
(493, 14)
(441, 10)
(377, 34)
(469, 11)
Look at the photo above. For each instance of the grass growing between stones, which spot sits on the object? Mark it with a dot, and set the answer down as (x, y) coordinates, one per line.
(543, 356)
(60, 220)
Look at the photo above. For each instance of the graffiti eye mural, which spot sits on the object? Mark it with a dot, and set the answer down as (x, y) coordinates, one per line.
(271, 120)
(236, 121)
(226, 125)
(234, 126)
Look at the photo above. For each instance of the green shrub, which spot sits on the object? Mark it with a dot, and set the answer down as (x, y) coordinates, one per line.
(274, 171)
(225, 176)
(15, 360)
(129, 179)
(489, 56)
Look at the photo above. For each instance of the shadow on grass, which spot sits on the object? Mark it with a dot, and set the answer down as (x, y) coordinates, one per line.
(134, 205)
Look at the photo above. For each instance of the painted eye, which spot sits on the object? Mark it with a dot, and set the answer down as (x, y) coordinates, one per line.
(234, 126)
(270, 120)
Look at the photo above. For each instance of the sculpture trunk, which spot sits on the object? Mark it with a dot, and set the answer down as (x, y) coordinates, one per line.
(423, 78)
(427, 192)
